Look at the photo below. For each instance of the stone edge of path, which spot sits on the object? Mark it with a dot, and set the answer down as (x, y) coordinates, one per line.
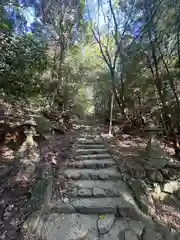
(34, 221)
(158, 226)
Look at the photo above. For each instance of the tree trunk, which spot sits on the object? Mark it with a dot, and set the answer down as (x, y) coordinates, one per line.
(118, 100)
(155, 72)
(111, 114)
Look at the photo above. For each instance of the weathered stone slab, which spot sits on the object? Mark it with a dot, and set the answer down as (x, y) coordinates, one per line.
(75, 175)
(114, 234)
(94, 156)
(91, 151)
(105, 223)
(66, 227)
(109, 236)
(122, 236)
(129, 210)
(85, 192)
(88, 141)
(76, 164)
(62, 208)
(150, 234)
(90, 164)
(74, 192)
(94, 183)
(136, 226)
(96, 163)
(104, 173)
(112, 192)
(105, 176)
(130, 235)
(120, 225)
(91, 222)
(98, 192)
(114, 188)
(170, 236)
(85, 176)
(94, 175)
(90, 146)
(140, 196)
(97, 205)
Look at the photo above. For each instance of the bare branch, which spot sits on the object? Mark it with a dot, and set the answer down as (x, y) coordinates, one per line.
(115, 22)
(101, 49)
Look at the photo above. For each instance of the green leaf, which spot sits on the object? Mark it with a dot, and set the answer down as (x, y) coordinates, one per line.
(4, 26)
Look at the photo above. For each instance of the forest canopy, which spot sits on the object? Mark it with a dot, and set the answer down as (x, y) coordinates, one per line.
(51, 50)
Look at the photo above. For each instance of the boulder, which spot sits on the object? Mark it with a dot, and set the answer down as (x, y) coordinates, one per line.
(136, 226)
(130, 235)
(59, 207)
(98, 192)
(150, 234)
(171, 187)
(155, 176)
(141, 198)
(65, 227)
(136, 186)
(85, 192)
(117, 231)
(105, 223)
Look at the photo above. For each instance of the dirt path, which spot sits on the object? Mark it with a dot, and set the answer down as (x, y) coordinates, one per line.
(15, 197)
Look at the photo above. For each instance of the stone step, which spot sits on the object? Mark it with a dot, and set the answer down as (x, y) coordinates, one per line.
(94, 156)
(89, 146)
(85, 174)
(91, 151)
(89, 141)
(111, 187)
(98, 205)
(70, 226)
(95, 192)
(91, 135)
(94, 164)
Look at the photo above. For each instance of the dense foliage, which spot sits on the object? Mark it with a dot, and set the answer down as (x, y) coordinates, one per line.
(52, 50)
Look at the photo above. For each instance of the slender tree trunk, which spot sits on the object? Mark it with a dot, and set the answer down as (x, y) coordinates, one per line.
(122, 94)
(116, 97)
(155, 72)
(171, 83)
(111, 113)
(177, 23)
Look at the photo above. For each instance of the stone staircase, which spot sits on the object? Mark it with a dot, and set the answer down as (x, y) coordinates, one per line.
(96, 182)
(100, 205)
(99, 198)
